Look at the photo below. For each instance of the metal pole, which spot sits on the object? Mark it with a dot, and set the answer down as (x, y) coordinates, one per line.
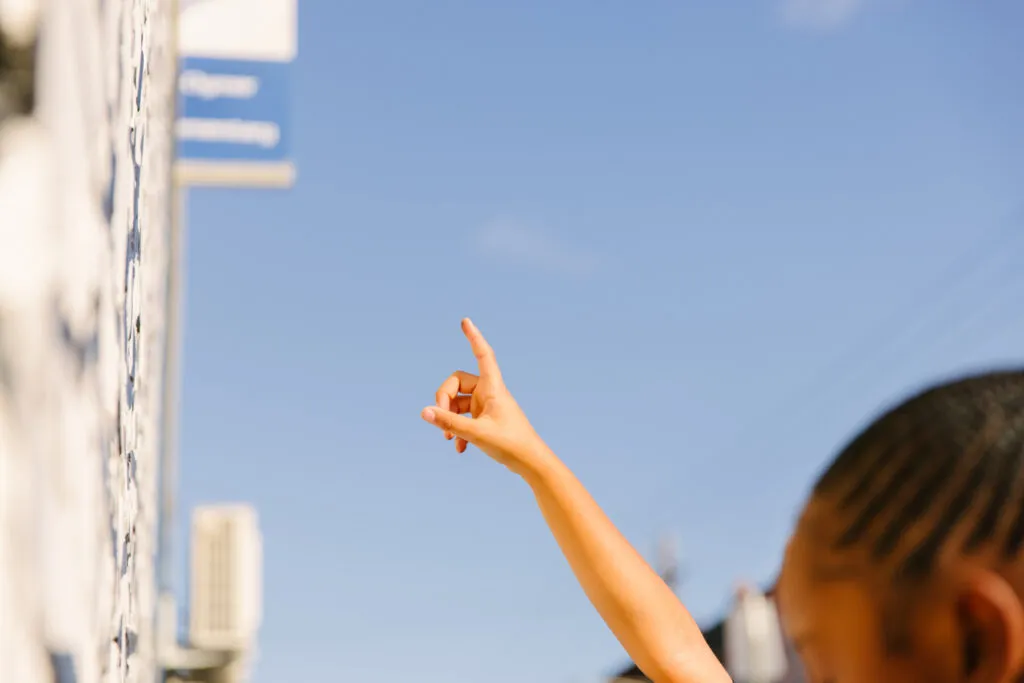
(172, 389)
(172, 354)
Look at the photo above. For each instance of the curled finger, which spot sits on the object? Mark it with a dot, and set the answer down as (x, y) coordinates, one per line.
(459, 405)
(457, 383)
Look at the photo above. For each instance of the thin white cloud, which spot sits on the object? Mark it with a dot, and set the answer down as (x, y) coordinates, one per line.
(527, 246)
(820, 15)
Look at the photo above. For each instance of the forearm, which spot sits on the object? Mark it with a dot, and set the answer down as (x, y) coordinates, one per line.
(644, 614)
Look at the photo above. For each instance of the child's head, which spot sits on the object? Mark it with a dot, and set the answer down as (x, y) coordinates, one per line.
(907, 564)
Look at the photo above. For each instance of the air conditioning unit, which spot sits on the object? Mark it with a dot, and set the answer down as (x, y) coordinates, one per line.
(225, 604)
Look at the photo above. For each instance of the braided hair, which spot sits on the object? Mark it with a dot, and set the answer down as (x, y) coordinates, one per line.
(945, 466)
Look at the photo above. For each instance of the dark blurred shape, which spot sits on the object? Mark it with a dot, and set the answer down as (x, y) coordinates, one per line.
(17, 78)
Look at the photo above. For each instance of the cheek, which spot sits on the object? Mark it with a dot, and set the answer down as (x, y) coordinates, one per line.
(904, 670)
(848, 643)
(861, 661)
(914, 670)
(937, 652)
(857, 650)
(846, 663)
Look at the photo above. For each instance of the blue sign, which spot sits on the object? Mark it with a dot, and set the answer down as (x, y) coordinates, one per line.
(233, 92)
(233, 110)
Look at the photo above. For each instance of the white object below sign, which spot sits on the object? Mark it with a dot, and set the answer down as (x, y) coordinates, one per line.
(226, 588)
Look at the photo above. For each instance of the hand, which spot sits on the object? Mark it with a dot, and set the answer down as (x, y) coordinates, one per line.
(496, 425)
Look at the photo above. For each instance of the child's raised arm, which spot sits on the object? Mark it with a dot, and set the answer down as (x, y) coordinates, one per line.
(644, 614)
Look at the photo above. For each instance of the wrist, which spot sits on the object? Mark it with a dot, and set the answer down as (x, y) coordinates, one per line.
(539, 464)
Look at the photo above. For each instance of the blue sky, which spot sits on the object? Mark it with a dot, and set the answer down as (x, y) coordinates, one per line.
(707, 240)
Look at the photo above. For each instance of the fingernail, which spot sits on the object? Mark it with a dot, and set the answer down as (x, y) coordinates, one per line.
(428, 414)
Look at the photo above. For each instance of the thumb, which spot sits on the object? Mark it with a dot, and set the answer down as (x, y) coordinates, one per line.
(459, 425)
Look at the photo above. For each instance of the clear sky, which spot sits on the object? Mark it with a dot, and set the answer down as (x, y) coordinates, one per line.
(708, 240)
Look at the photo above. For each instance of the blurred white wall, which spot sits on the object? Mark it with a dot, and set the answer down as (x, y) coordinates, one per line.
(84, 228)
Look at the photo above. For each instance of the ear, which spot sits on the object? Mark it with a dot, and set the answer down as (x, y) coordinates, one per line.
(991, 621)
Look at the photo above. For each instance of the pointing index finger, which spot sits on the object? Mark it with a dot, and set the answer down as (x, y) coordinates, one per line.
(482, 350)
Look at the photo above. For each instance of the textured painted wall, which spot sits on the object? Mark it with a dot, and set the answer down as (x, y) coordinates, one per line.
(86, 93)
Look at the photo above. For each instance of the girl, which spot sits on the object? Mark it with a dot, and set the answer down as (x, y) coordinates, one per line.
(904, 567)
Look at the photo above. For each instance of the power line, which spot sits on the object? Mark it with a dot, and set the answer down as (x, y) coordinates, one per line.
(851, 363)
(930, 333)
(893, 327)
(1008, 300)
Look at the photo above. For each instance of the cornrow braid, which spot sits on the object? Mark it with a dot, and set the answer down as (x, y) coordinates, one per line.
(947, 462)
